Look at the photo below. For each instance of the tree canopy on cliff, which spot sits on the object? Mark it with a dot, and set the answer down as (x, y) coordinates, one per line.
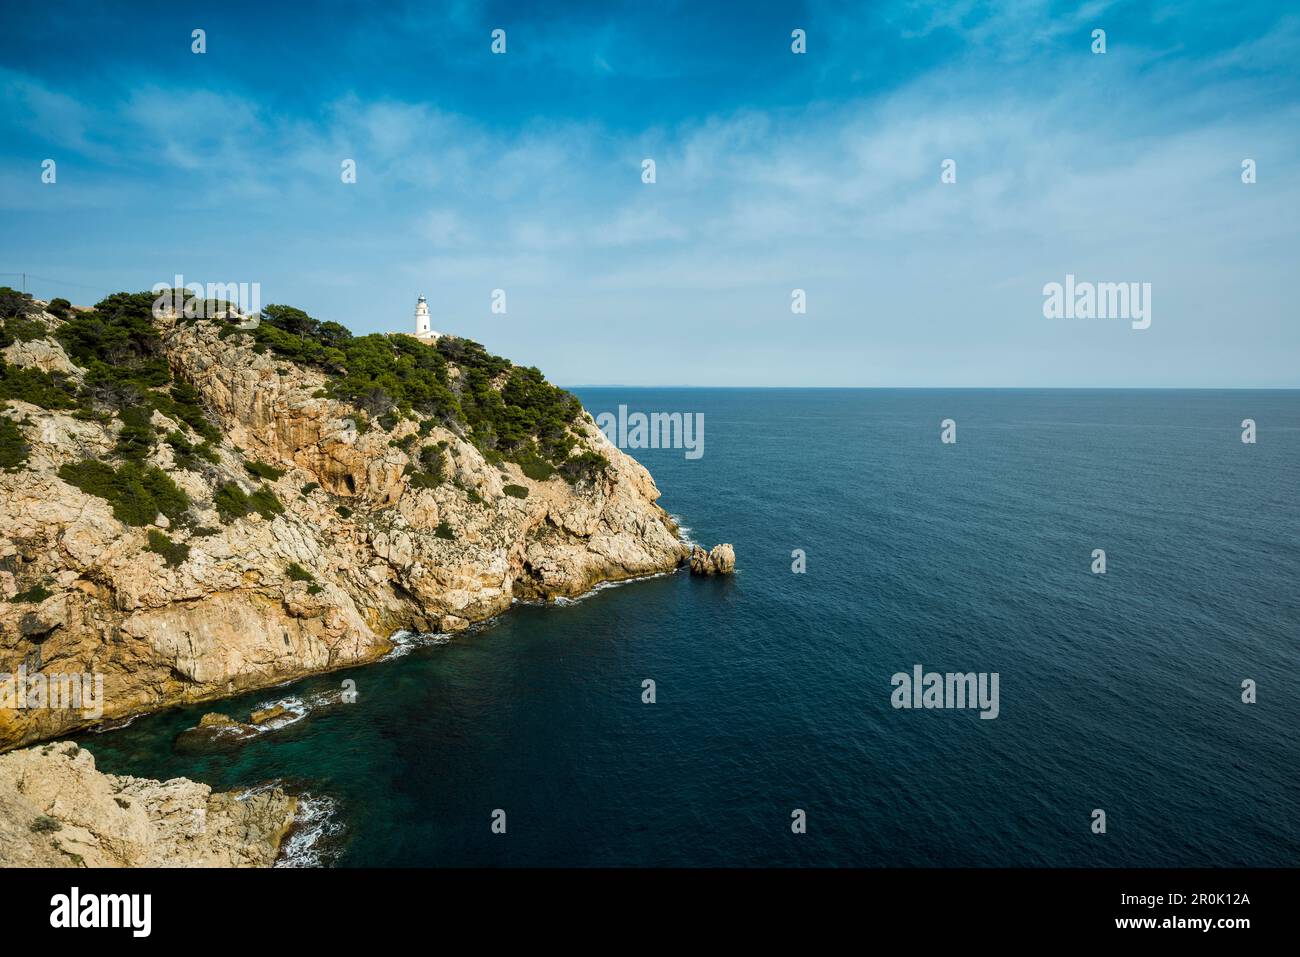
(509, 412)
(506, 410)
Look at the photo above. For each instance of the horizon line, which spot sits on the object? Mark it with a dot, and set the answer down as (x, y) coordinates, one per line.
(950, 388)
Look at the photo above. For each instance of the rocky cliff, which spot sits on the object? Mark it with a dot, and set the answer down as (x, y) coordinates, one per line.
(299, 538)
(57, 810)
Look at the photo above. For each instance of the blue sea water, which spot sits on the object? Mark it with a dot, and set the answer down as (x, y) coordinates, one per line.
(1119, 691)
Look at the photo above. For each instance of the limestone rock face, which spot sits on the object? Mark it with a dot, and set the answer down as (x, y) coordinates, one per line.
(44, 354)
(57, 810)
(228, 617)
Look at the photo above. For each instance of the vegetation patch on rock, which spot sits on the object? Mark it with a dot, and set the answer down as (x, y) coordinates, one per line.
(13, 447)
(174, 553)
(137, 493)
(232, 502)
(506, 409)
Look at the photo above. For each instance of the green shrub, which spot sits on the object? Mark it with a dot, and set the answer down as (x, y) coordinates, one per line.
(59, 308)
(299, 574)
(310, 487)
(136, 437)
(444, 531)
(15, 304)
(13, 447)
(515, 491)
(44, 824)
(585, 465)
(343, 511)
(187, 454)
(264, 471)
(535, 467)
(24, 329)
(432, 472)
(137, 493)
(35, 595)
(431, 460)
(230, 501)
(265, 503)
(48, 390)
(175, 553)
(181, 402)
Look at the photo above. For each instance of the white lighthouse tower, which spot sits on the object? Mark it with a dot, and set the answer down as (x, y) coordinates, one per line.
(422, 328)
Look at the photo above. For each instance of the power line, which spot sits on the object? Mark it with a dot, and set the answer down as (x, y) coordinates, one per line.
(58, 282)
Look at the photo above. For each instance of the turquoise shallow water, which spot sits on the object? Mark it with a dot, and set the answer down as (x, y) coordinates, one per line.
(1119, 691)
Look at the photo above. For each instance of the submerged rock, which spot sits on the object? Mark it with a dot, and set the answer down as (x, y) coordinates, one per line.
(214, 719)
(268, 714)
(214, 732)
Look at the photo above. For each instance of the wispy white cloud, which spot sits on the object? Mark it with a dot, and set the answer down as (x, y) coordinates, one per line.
(1127, 162)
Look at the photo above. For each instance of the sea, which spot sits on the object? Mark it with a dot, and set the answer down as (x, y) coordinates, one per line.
(1163, 692)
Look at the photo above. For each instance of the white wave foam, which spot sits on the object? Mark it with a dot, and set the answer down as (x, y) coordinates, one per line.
(312, 840)
(563, 600)
(404, 642)
(296, 708)
(115, 724)
(683, 531)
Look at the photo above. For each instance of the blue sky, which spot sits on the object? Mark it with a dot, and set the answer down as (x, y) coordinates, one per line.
(774, 171)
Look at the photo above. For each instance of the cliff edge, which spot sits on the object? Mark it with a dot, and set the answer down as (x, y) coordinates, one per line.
(192, 510)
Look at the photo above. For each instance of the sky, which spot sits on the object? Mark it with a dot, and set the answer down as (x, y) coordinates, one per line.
(774, 171)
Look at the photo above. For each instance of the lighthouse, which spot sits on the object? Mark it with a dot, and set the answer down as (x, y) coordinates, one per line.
(422, 328)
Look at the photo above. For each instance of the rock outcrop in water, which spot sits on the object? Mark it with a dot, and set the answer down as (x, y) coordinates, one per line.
(331, 548)
(720, 561)
(57, 810)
